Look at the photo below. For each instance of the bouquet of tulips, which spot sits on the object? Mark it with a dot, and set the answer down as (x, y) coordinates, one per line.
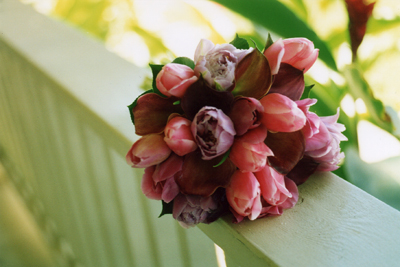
(231, 131)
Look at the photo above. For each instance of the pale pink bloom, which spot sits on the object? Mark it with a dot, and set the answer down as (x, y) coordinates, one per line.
(174, 79)
(243, 195)
(297, 52)
(272, 184)
(158, 181)
(290, 202)
(246, 114)
(190, 210)
(179, 137)
(249, 152)
(271, 210)
(324, 145)
(217, 63)
(281, 114)
(214, 132)
(312, 119)
(149, 150)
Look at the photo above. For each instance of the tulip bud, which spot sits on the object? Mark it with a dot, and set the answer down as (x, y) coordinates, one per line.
(174, 79)
(298, 52)
(149, 150)
(179, 137)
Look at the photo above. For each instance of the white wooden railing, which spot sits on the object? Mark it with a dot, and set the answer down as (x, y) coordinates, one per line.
(64, 133)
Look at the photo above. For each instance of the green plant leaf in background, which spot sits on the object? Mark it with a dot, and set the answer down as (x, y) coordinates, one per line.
(307, 89)
(359, 88)
(279, 19)
(240, 43)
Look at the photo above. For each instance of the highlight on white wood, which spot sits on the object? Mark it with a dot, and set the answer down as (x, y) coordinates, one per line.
(65, 129)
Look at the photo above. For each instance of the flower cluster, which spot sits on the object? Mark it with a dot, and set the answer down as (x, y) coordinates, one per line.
(228, 132)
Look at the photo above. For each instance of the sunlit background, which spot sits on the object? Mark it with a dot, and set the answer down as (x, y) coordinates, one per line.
(157, 31)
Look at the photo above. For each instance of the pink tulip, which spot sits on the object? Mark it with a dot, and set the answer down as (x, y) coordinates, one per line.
(149, 150)
(149, 188)
(272, 185)
(270, 210)
(246, 114)
(214, 132)
(281, 114)
(274, 54)
(300, 53)
(168, 168)
(249, 152)
(174, 79)
(217, 63)
(297, 52)
(178, 136)
(166, 190)
(312, 120)
(243, 195)
(158, 181)
(324, 144)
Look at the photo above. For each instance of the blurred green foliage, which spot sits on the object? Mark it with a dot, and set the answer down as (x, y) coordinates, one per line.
(322, 21)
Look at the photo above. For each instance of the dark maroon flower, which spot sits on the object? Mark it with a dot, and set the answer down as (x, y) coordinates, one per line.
(359, 13)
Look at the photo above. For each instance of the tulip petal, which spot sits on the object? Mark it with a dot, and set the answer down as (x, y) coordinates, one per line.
(303, 169)
(274, 53)
(281, 114)
(151, 113)
(199, 177)
(199, 95)
(288, 149)
(253, 76)
(289, 82)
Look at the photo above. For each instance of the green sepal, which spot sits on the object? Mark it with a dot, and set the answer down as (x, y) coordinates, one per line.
(166, 208)
(269, 42)
(184, 61)
(240, 43)
(226, 155)
(306, 92)
(131, 106)
(218, 87)
(155, 69)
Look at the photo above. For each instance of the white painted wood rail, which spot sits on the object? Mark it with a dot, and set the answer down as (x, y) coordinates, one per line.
(65, 130)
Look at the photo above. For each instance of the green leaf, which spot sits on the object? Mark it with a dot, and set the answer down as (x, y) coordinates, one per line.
(155, 70)
(307, 90)
(131, 106)
(166, 208)
(240, 43)
(359, 88)
(269, 42)
(184, 61)
(218, 87)
(226, 155)
(276, 17)
(379, 25)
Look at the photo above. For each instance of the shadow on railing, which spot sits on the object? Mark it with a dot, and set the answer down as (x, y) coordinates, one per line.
(65, 130)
